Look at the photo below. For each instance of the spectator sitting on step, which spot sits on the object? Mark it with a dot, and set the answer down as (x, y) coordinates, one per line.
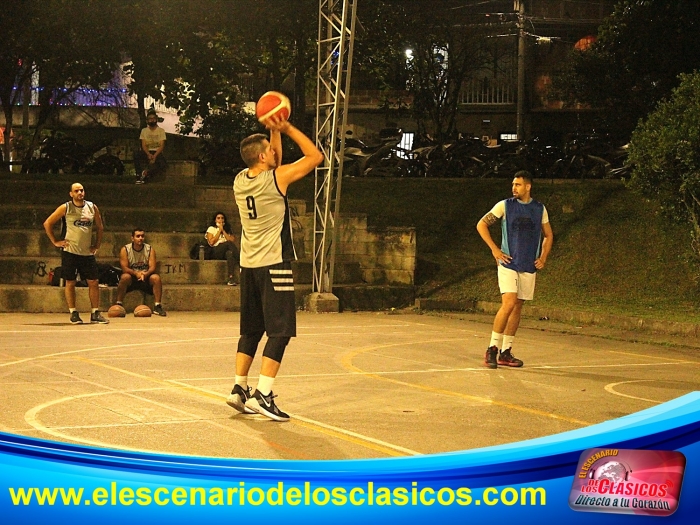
(138, 262)
(220, 240)
(151, 151)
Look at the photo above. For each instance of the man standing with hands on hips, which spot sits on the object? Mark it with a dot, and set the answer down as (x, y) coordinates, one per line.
(523, 251)
(78, 218)
(267, 286)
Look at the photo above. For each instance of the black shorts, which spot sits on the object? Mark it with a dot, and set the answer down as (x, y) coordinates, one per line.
(143, 286)
(72, 265)
(267, 301)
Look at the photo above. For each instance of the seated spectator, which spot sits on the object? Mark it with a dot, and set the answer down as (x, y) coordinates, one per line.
(150, 154)
(220, 240)
(138, 262)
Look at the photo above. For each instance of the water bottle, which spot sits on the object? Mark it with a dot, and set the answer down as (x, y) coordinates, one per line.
(201, 252)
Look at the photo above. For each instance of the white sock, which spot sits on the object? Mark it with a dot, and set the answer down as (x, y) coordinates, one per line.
(243, 381)
(496, 340)
(265, 385)
(508, 342)
(95, 310)
(71, 310)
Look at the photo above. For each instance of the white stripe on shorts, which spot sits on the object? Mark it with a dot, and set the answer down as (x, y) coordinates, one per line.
(283, 288)
(280, 272)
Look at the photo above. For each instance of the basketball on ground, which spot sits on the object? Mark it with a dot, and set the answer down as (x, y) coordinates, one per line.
(142, 311)
(116, 310)
(273, 103)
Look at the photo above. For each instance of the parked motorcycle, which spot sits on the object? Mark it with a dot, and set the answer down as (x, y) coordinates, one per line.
(363, 160)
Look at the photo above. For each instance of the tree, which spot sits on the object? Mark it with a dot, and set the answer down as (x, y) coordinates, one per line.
(665, 155)
(16, 54)
(56, 39)
(242, 52)
(430, 56)
(635, 62)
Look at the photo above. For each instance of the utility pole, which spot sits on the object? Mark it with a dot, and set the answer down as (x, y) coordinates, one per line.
(519, 6)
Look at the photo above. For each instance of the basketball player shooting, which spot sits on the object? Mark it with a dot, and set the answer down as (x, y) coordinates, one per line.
(267, 285)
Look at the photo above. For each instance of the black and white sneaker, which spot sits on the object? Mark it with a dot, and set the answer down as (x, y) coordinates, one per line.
(75, 318)
(158, 310)
(96, 317)
(265, 405)
(237, 399)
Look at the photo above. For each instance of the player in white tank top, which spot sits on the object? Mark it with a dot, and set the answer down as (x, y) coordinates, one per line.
(79, 218)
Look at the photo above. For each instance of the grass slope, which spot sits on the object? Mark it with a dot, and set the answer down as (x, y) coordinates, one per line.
(613, 252)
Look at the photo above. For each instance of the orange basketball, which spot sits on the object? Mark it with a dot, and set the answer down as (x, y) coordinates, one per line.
(116, 310)
(273, 103)
(142, 311)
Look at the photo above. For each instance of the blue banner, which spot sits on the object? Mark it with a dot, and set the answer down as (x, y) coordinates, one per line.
(526, 482)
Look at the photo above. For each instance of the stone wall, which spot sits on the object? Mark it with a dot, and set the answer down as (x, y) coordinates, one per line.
(385, 256)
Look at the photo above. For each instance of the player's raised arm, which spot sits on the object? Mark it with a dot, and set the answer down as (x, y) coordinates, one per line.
(289, 173)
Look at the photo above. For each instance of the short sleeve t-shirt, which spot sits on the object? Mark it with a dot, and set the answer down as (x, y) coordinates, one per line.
(153, 138)
(213, 230)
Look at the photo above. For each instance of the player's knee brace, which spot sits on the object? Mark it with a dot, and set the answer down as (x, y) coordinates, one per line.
(274, 348)
(248, 344)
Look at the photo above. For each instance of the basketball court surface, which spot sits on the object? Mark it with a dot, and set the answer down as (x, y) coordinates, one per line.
(357, 385)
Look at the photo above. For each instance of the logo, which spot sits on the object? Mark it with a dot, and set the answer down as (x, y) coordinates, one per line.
(267, 403)
(83, 223)
(619, 481)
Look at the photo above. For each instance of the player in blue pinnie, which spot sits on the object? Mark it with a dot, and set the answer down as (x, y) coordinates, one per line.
(525, 245)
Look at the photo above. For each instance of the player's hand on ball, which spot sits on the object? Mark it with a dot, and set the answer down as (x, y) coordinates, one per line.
(276, 123)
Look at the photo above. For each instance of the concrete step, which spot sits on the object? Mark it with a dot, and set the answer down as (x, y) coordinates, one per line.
(24, 270)
(156, 218)
(47, 299)
(173, 270)
(51, 299)
(24, 217)
(121, 193)
(35, 243)
(176, 191)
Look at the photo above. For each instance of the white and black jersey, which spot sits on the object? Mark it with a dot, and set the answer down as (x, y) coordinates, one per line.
(76, 227)
(266, 236)
(138, 260)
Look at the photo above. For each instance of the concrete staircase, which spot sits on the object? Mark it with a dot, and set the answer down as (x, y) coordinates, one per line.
(374, 270)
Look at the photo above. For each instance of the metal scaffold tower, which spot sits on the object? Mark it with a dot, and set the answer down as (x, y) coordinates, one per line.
(336, 29)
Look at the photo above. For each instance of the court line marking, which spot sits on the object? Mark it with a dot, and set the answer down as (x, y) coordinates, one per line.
(112, 347)
(335, 431)
(361, 372)
(481, 369)
(347, 358)
(652, 356)
(611, 389)
(32, 418)
(384, 447)
(347, 435)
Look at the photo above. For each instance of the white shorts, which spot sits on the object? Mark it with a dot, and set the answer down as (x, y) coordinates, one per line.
(522, 283)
